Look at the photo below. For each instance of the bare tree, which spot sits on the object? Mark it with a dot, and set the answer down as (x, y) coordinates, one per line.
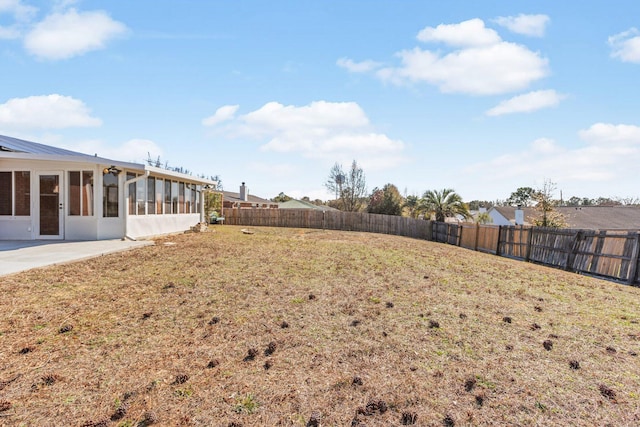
(335, 180)
(350, 187)
(548, 216)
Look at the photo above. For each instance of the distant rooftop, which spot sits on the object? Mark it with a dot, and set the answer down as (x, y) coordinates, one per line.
(230, 196)
(303, 204)
(587, 217)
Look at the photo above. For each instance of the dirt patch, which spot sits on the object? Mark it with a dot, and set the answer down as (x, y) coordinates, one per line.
(5, 405)
(271, 348)
(64, 329)
(251, 355)
(607, 392)
(408, 418)
(469, 384)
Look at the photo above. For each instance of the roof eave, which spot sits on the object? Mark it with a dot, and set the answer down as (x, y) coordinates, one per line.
(171, 174)
(71, 158)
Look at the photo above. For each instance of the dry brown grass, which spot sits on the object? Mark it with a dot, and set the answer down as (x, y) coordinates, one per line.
(307, 327)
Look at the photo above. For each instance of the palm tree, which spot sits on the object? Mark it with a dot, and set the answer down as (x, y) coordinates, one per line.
(445, 203)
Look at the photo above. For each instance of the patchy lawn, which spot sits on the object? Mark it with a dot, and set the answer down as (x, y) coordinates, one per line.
(309, 327)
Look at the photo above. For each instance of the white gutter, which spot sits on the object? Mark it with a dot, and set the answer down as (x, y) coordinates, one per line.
(126, 198)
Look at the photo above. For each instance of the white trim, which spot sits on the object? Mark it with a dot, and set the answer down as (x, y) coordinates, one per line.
(126, 200)
(181, 176)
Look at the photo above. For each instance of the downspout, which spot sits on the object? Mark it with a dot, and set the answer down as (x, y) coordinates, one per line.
(126, 201)
(203, 196)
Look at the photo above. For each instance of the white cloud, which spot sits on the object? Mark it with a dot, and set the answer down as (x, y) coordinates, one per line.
(527, 103)
(222, 114)
(46, 112)
(9, 33)
(545, 146)
(21, 14)
(529, 25)
(20, 11)
(318, 118)
(484, 64)
(338, 131)
(72, 33)
(487, 70)
(467, 33)
(64, 4)
(626, 46)
(608, 157)
(357, 67)
(610, 134)
(135, 150)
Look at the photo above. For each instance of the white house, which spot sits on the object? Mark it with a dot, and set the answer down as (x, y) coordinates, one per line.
(52, 193)
(509, 215)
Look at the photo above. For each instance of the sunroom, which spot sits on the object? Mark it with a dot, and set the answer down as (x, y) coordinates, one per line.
(51, 193)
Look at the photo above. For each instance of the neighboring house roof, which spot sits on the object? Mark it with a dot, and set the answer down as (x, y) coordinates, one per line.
(235, 197)
(602, 217)
(303, 204)
(585, 217)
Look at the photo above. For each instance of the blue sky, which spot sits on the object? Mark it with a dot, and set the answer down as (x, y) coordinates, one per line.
(479, 96)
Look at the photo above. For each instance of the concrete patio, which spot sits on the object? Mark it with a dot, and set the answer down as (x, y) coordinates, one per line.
(22, 255)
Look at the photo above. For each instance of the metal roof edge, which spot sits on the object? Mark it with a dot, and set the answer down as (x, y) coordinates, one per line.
(173, 174)
(80, 158)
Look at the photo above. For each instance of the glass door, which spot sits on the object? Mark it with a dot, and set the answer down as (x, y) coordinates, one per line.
(51, 213)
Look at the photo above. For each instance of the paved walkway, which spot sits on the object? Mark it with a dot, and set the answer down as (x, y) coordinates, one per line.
(22, 255)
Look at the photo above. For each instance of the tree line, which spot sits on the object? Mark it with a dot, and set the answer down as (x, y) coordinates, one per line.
(350, 194)
(350, 189)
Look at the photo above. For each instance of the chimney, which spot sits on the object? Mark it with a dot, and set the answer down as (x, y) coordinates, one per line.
(519, 215)
(244, 193)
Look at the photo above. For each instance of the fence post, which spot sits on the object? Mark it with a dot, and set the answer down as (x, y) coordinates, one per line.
(475, 244)
(499, 235)
(460, 234)
(529, 243)
(635, 258)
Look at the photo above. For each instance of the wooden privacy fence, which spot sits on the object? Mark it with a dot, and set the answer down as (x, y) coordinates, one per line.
(610, 254)
(330, 220)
